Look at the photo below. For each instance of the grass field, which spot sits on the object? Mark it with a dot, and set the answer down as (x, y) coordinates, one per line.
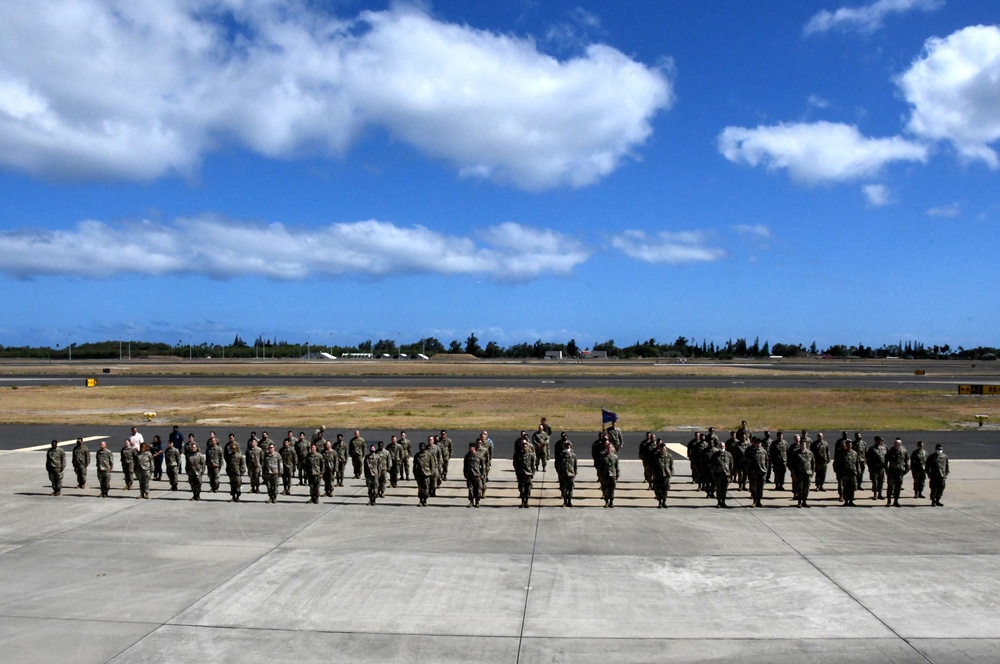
(498, 408)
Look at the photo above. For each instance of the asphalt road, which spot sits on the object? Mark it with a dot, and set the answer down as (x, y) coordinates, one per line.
(971, 444)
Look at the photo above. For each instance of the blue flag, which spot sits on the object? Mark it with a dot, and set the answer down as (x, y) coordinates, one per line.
(608, 416)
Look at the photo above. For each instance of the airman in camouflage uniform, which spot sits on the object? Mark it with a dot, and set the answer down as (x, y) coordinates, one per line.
(272, 470)
(435, 451)
(315, 465)
(372, 467)
(407, 449)
(524, 470)
(778, 455)
(821, 456)
(897, 464)
(739, 460)
(302, 450)
(848, 464)
(55, 463)
(540, 442)
(254, 461)
(144, 469)
(81, 459)
(876, 466)
(692, 445)
(918, 461)
(423, 472)
(357, 450)
(105, 461)
(756, 464)
(937, 473)
(127, 456)
(472, 470)
(447, 449)
(861, 447)
(383, 467)
(195, 470)
(805, 468)
(615, 436)
(213, 460)
(394, 459)
(340, 447)
(793, 465)
(721, 463)
(329, 468)
(172, 457)
(663, 468)
(565, 463)
(647, 450)
(236, 467)
(608, 473)
(289, 461)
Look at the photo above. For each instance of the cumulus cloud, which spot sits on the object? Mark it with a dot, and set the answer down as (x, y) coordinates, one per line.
(753, 230)
(868, 18)
(954, 89)
(951, 210)
(818, 151)
(877, 195)
(667, 247)
(119, 89)
(226, 249)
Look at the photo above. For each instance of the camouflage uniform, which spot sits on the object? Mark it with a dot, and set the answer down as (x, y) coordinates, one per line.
(272, 470)
(340, 447)
(663, 468)
(407, 451)
(289, 461)
(721, 463)
(55, 462)
(357, 450)
(565, 464)
(756, 466)
(447, 449)
(607, 475)
(81, 459)
(213, 460)
(302, 451)
(254, 461)
(540, 443)
(472, 470)
(918, 461)
(172, 457)
(127, 457)
(778, 455)
(372, 466)
(105, 461)
(937, 473)
(329, 468)
(524, 470)
(805, 467)
(423, 472)
(195, 470)
(821, 456)
(314, 472)
(897, 464)
(876, 467)
(849, 467)
(236, 467)
(394, 460)
(144, 471)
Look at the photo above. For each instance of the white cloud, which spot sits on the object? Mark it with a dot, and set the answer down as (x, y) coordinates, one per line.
(666, 247)
(868, 18)
(136, 90)
(954, 88)
(951, 210)
(819, 151)
(817, 101)
(753, 230)
(225, 249)
(877, 195)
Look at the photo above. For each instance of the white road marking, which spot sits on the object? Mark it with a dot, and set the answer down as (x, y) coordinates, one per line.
(46, 446)
(677, 448)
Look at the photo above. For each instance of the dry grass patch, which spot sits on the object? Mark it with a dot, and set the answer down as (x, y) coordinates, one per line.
(423, 408)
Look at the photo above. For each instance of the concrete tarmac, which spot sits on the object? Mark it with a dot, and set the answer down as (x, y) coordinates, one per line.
(88, 579)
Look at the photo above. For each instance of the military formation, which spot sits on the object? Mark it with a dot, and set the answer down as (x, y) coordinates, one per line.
(744, 462)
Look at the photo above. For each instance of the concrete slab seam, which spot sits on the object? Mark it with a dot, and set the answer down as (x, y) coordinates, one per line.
(531, 567)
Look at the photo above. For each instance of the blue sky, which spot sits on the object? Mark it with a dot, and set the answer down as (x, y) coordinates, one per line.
(340, 171)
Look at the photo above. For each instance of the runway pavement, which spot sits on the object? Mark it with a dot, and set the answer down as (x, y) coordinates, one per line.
(119, 580)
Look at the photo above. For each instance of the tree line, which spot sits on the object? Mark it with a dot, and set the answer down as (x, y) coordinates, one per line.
(681, 347)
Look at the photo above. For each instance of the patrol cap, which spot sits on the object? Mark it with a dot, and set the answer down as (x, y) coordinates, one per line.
(878, 437)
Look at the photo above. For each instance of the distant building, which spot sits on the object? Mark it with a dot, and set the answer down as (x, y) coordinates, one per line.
(553, 355)
(595, 354)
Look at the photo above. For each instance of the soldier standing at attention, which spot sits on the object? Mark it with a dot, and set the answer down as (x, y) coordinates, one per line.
(81, 459)
(172, 459)
(524, 470)
(472, 470)
(821, 456)
(876, 466)
(756, 463)
(236, 467)
(213, 461)
(371, 466)
(806, 467)
(394, 457)
(271, 468)
(850, 471)
(340, 447)
(55, 462)
(289, 460)
(329, 468)
(407, 449)
(319, 435)
(540, 441)
(663, 468)
(105, 464)
(144, 469)
(778, 455)
(937, 473)
(744, 431)
(544, 423)
(918, 461)
(314, 466)
(565, 462)
(647, 449)
(128, 464)
(254, 460)
(302, 450)
(357, 449)
(794, 450)
(897, 464)
(195, 470)
(383, 467)
(692, 444)
(447, 448)
(423, 473)
(861, 447)
(615, 436)
(608, 473)
(435, 452)
(721, 463)
(599, 449)
(482, 452)
(156, 449)
(739, 460)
